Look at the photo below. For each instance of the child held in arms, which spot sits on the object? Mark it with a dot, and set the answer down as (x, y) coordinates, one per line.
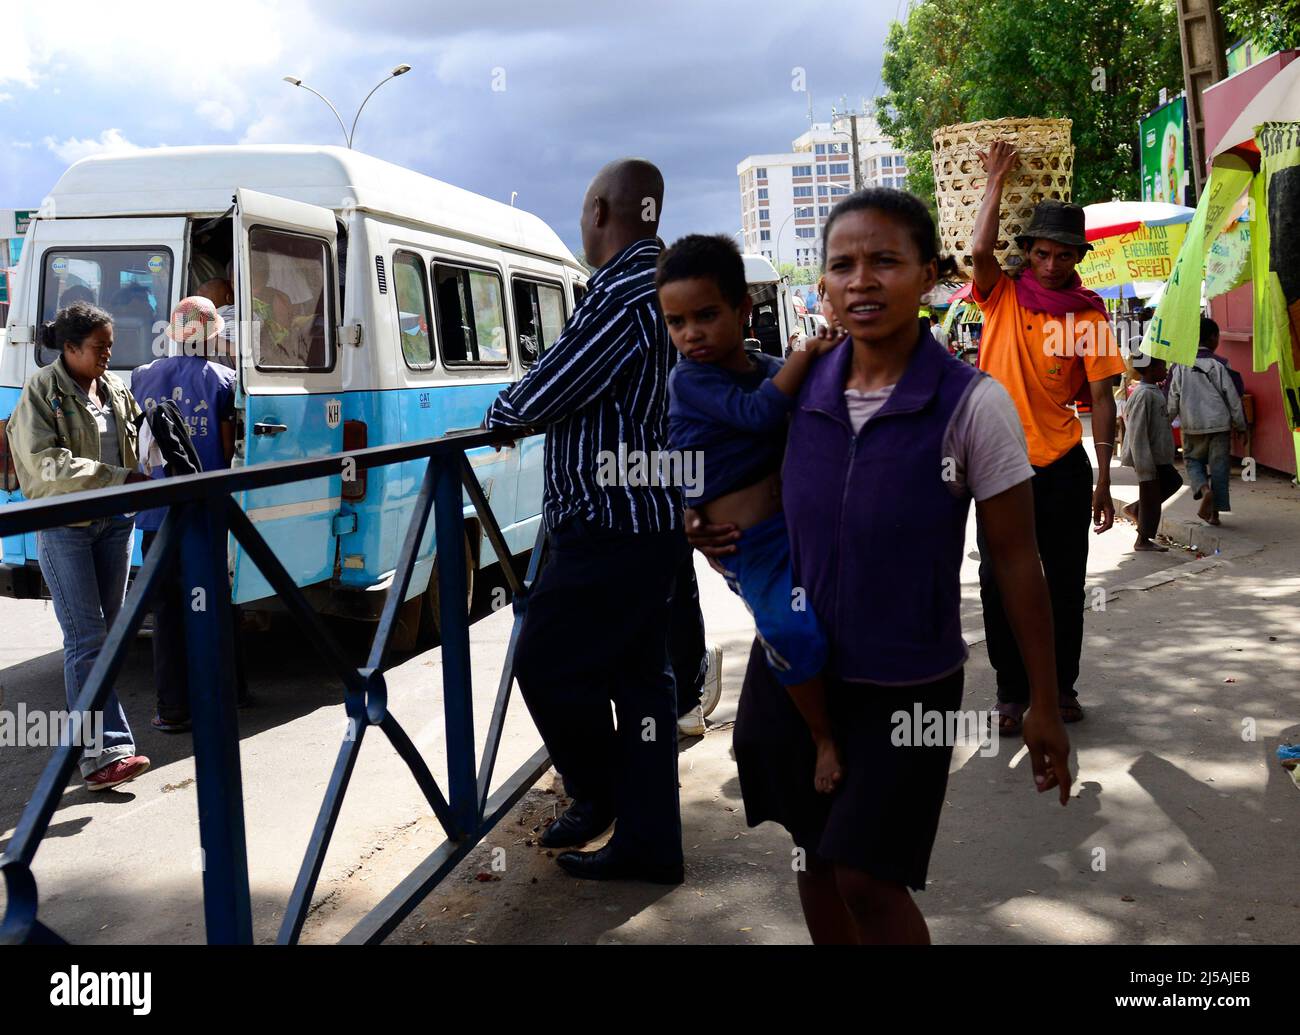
(733, 408)
(1149, 450)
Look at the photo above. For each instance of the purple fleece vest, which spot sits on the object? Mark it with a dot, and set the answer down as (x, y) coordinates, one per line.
(876, 534)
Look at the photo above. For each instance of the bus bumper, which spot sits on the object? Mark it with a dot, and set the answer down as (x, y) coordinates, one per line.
(21, 582)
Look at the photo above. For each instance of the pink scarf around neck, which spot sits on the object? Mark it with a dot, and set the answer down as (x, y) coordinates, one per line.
(1073, 298)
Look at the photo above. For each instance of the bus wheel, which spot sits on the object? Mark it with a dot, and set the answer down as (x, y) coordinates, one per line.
(406, 626)
(431, 616)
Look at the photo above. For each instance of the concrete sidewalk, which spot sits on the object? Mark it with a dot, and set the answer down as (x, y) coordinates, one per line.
(1197, 824)
(1181, 828)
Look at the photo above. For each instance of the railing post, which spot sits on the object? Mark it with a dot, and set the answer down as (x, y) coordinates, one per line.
(209, 647)
(457, 688)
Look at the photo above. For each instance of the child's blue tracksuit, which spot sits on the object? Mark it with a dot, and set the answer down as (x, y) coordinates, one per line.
(738, 423)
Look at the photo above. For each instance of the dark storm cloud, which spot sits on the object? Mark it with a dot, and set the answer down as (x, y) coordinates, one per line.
(693, 87)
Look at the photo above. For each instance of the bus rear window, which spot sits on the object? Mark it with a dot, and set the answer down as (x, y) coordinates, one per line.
(133, 284)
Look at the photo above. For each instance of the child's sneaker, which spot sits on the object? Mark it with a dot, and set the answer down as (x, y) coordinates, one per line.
(711, 694)
(692, 723)
(121, 771)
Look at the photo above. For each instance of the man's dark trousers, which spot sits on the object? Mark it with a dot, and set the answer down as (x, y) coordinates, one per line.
(595, 629)
(1062, 518)
(170, 668)
(686, 647)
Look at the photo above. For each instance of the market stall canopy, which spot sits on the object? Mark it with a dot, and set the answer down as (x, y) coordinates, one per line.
(1277, 101)
(1112, 218)
(946, 292)
(1145, 289)
(1132, 241)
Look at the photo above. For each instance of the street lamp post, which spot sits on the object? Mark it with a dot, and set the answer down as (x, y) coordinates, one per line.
(852, 116)
(778, 238)
(349, 134)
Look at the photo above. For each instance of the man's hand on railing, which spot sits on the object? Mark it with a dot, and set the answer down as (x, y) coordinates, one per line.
(136, 476)
(498, 446)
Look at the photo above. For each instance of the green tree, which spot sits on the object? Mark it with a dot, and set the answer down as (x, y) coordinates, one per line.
(799, 274)
(1100, 63)
(1269, 24)
(923, 68)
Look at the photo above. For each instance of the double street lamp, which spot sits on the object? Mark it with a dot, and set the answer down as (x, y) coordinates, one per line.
(348, 134)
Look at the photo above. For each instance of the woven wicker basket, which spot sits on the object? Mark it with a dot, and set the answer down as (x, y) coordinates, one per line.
(1046, 170)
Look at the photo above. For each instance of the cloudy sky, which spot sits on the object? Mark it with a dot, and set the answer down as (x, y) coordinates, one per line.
(503, 95)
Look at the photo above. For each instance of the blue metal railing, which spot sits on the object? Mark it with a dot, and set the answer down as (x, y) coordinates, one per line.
(192, 543)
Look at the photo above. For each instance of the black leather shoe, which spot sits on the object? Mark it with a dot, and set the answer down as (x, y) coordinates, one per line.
(608, 864)
(582, 822)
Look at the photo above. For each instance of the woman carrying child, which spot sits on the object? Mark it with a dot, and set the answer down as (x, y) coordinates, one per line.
(890, 439)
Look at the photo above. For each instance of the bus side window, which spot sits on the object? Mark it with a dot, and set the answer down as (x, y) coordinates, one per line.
(411, 292)
(293, 324)
(527, 320)
(539, 316)
(471, 316)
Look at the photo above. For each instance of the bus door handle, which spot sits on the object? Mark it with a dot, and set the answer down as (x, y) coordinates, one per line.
(269, 429)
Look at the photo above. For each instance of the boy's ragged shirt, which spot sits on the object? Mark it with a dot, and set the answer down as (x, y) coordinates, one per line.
(736, 421)
(1148, 439)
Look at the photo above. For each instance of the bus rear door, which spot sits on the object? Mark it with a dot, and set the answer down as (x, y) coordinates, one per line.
(291, 380)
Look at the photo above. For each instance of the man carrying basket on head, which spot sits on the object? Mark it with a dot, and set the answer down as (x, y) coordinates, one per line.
(1045, 335)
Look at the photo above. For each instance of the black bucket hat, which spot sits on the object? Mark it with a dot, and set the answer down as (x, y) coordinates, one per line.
(1057, 221)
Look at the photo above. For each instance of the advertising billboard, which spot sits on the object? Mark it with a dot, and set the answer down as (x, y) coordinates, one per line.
(1163, 147)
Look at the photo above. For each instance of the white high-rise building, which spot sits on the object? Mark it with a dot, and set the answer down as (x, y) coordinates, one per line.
(785, 198)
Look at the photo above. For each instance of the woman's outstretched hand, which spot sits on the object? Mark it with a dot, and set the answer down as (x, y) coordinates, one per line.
(1049, 750)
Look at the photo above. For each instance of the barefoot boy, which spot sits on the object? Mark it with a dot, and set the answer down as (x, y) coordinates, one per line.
(733, 408)
(1149, 450)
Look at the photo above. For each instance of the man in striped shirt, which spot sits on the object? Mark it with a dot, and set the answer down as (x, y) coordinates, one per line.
(595, 627)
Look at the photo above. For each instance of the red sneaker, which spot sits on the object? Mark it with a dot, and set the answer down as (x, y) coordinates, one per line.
(121, 771)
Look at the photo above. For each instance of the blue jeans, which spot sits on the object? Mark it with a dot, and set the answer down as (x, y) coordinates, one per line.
(86, 571)
(1210, 452)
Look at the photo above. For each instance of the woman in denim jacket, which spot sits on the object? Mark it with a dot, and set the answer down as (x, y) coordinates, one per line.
(73, 429)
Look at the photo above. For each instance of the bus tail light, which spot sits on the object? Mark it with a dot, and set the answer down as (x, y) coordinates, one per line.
(8, 476)
(354, 437)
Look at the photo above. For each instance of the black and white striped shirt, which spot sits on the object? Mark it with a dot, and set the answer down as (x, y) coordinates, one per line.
(602, 391)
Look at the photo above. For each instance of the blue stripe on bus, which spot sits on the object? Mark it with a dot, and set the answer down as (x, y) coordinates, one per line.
(382, 517)
(397, 415)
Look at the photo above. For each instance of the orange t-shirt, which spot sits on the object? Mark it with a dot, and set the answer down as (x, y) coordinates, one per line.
(1043, 361)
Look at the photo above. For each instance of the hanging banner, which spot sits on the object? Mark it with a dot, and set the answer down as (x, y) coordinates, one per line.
(1163, 139)
(1228, 264)
(1174, 334)
(1276, 213)
(1147, 253)
(1245, 54)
